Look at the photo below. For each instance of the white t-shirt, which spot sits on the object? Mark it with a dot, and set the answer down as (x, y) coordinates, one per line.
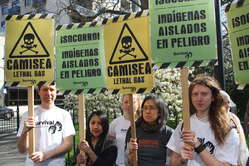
(226, 153)
(51, 127)
(118, 129)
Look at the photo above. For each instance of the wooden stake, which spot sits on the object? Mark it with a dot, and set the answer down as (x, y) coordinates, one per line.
(185, 98)
(31, 112)
(133, 127)
(82, 120)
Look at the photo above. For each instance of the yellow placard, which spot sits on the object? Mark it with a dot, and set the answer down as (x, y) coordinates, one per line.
(29, 51)
(128, 55)
(238, 26)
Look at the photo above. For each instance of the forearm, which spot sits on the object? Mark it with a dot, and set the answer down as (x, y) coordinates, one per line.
(79, 164)
(206, 157)
(26, 126)
(176, 159)
(210, 160)
(22, 143)
(93, 157)
(176, 162)
(131, 157)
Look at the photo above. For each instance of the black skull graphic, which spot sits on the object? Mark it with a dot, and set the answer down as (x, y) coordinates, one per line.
(126, 47)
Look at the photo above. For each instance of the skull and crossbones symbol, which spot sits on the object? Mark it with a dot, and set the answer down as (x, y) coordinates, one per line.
(126, 47)
(29, 43)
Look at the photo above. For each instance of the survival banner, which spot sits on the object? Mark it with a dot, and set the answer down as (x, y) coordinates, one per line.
(128, 56)
(238, 25)
(182, 30)
(80, 57)
(29, 50)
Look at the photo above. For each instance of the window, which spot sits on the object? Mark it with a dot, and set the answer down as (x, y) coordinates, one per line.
(15, 8)
(27, 3)
(4, 9)
(38, 3)
(19, 95)
(42, 11)
(2, 29)
(16, 3)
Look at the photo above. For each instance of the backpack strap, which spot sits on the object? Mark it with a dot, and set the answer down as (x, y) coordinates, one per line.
(165, 134)
(233, 123)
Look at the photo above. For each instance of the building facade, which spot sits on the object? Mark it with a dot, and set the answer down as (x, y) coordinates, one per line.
(15, 7)
(18, 95)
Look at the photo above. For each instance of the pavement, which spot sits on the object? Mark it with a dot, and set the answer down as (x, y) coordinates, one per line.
(9, 155)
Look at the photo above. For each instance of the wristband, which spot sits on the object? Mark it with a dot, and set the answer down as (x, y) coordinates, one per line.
(200, 148)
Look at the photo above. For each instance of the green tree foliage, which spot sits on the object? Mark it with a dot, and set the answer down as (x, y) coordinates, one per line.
(167, 85)
(104, 101)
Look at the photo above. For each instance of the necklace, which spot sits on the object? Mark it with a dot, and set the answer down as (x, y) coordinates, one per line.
(203, 119)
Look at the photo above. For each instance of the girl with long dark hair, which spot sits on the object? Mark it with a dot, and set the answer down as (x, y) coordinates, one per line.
(98, 149)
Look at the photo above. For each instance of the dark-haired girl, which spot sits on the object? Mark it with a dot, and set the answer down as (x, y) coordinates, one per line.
(98, 149)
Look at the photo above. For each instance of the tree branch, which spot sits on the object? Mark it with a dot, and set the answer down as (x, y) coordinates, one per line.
(114, 6)
(136, 3)
(225, 26)
(81, 18)
(77, 16)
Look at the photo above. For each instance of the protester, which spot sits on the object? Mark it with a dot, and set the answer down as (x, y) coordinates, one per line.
(120, 125)
(99, 150)
(229, 104)
(152, 134)
(54, 131)
(243, 153)
(211, 137)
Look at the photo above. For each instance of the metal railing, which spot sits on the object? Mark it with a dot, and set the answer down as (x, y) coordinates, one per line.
(9, 125)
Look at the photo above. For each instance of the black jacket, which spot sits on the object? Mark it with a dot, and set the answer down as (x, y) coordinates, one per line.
(106, 155)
